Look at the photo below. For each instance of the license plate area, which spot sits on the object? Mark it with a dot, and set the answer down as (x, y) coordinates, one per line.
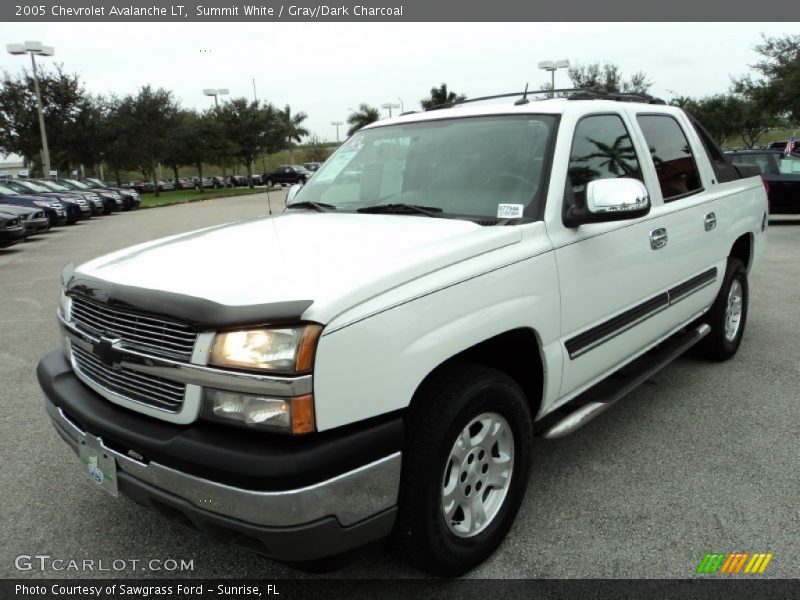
(99, 466)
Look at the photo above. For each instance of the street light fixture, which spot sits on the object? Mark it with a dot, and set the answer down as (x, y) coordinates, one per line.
(216, 93)
(389, 106)
(337, 124)
(36, 49)
(553, 66)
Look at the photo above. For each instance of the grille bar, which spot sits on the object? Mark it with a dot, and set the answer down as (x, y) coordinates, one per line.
(178, 329)
(103, 324)
(147, 389)
(163, 336)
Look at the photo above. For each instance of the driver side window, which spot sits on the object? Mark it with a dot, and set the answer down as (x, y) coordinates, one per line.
(601, 149)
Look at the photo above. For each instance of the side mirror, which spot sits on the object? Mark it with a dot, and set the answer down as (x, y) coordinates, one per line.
(610, 200)
(292, 193)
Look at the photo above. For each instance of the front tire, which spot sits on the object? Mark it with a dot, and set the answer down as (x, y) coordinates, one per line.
(728, 315)
(466, 464)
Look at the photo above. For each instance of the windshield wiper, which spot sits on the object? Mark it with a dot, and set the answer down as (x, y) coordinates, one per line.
(430, 211)
(317, 206)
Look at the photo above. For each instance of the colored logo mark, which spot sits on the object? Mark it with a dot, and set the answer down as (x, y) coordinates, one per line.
(735, 563)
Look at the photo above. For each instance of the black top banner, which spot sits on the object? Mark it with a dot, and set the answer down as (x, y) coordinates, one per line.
(390, 10)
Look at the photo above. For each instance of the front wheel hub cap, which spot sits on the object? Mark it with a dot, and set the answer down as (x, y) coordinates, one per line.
(477, 474)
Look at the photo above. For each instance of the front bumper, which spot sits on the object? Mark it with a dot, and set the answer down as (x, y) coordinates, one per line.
(11, 235)
(34, 226)
(290, 499)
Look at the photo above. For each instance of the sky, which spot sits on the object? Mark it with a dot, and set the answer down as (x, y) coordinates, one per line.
(325, 69)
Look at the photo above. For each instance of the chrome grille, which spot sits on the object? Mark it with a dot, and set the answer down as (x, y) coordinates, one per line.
(159, 335)
(147, 389)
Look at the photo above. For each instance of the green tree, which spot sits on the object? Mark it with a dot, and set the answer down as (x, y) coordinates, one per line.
(118, 134)
(720, 114)
(203, 140)
(756, 120)
(295, 131)
(151, 116)
(365, 115)
(251, 129)
(608, 76)
(316, 150)
(67, 112)
(775, 90)
(440, 96)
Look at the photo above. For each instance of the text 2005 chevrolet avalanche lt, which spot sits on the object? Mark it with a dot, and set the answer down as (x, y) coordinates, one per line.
(377, 359)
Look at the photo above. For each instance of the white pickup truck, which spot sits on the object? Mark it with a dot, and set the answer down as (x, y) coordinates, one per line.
(377, 359)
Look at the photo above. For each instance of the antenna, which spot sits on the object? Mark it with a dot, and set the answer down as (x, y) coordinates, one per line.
(524, 99)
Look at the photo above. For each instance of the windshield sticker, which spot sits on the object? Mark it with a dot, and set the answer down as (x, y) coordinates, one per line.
(355, 143)
(333, 166)
(510, 211)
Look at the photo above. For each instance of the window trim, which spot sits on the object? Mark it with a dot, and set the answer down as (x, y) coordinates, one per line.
(568, 183)
(668, 199)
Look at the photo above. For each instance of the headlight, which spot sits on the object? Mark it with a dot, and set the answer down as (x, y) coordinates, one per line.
(282, 350)
(43, 203)
(65, 305)
(285, 415)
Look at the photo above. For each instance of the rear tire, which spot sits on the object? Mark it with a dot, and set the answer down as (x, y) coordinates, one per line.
(466, 464)
(728, 315)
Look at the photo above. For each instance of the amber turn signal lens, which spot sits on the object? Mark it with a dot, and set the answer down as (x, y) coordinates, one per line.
(303, 414)
(307, 348)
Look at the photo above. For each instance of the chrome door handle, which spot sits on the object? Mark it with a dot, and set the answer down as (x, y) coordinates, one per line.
(710, 221)
(658, 238)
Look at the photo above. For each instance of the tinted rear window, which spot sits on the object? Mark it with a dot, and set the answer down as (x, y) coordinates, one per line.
(672, 156)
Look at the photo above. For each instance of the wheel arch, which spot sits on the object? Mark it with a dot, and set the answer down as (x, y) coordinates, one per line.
(517, 353)
(743, 249)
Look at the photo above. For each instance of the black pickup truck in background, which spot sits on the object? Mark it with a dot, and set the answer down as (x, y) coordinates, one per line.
(286, 175)
(781, 173)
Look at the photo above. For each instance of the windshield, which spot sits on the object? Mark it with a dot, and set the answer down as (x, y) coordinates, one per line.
(8, 191)
(467, 166)
(54, 186)
(32, 186)
(95, 182)
(77, 184)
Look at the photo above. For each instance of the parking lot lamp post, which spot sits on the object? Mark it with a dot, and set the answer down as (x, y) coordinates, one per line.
(216, 93)
(337, 124)
(553, 66)
(389, 106)
(36, 49)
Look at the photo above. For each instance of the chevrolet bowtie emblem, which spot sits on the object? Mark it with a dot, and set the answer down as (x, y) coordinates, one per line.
(108, 355)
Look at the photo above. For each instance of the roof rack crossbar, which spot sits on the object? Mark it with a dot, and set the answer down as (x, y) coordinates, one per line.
(509, 95)
(597, 94)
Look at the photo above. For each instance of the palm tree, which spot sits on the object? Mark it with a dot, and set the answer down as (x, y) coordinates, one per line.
(295, 131)
(440, 96)
(362, 117)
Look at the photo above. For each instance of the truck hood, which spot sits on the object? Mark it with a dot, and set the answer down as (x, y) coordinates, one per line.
(330, 261)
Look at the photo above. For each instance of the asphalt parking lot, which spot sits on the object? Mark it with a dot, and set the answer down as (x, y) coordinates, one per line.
(702, 458)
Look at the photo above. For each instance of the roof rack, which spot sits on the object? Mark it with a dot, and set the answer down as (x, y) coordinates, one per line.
(571, 94)
(509, 95)
(598, 94)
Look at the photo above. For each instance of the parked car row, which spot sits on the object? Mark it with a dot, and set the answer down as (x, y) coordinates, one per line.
(32, 206)
(282, 175)
(191, 183)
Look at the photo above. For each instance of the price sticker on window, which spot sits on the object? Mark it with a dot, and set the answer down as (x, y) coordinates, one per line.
(510, 211)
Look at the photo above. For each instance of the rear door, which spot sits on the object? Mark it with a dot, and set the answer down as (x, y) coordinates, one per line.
(696, 211)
